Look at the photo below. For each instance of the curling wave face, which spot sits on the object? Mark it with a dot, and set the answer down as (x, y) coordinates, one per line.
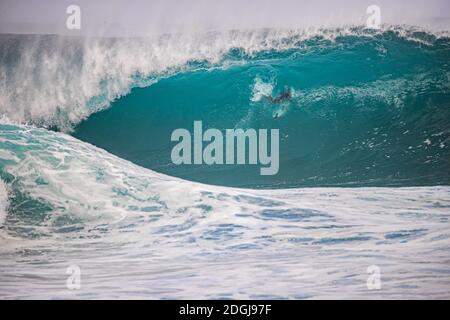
(368, 109)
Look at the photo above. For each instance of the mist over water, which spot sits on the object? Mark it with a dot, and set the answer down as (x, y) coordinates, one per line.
(144, 18)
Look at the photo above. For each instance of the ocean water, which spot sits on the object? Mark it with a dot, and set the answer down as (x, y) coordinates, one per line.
(86, 178)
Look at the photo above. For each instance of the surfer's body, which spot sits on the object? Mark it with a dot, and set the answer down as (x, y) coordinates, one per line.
(286, 95)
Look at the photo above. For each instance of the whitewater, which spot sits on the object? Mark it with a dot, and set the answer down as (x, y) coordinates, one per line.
(66, 198)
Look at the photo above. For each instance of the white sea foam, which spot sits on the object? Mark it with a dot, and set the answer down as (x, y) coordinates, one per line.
(261, 89)
(135, 233)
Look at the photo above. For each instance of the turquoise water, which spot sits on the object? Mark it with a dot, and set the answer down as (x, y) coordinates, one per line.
(86, 177)
(367, 111)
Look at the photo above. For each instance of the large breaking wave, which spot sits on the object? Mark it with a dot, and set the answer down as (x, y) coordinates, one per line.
(137, 233)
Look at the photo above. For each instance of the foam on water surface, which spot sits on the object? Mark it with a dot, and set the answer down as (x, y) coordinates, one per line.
(135, 233)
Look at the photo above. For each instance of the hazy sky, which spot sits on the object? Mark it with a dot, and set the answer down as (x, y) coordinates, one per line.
(140, 17)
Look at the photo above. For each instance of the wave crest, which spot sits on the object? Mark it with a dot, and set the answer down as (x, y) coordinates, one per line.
(55, 81)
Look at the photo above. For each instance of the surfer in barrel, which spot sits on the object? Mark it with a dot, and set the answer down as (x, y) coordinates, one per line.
(284, 96)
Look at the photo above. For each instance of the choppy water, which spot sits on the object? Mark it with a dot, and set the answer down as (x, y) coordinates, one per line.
(369, 109)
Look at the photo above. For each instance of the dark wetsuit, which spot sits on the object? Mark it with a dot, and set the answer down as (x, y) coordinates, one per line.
(285, 96)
